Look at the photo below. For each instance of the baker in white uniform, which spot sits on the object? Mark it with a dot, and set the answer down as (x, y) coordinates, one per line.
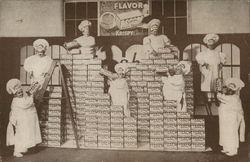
(231, 117)
(23, 117)
(119, 90)
(155, 43)
(39, 64)
(210, 62)
(174, 85)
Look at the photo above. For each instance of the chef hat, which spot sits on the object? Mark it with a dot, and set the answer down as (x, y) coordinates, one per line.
(154, 22)
(83, 24)
(39, 42)
(185, 66)
(12, 84)
(208, 37)
(121, 65)
(234, 84)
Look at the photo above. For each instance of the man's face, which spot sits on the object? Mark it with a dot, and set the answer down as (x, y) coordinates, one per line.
(85, 31)
(19, 91)
(210, 43)
(154, 29)
(40, 50)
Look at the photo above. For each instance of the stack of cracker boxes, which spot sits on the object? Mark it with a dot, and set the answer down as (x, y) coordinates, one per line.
(154, 124)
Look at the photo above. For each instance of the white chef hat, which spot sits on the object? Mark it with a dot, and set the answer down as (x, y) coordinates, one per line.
(12, 86)
(185, 66)
(210, 36)
(39, 42)
(83, 24)
(121, 65)
(156, 22)
(234, 84)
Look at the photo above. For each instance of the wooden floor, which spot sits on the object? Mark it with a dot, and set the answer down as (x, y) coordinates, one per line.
(73, 155)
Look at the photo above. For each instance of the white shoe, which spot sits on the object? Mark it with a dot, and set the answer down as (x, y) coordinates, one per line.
(231, 153)
(224, 151)
(18, 154)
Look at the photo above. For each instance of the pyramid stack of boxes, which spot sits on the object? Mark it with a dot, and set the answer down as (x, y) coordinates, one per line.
(154, 124)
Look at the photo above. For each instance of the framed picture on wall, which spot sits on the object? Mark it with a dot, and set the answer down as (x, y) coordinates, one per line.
(122, 18)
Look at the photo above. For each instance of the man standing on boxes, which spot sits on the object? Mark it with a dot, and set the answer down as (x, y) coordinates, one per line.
(155, 43)
(39, 64)
(85, 43)
(210, 62)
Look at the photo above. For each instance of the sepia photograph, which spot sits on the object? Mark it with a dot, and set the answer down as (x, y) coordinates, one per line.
(124, 80)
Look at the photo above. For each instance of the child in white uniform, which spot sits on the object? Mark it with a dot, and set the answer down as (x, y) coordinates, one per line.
(174, 85)
(231, 117)
(23, 118)
(119, 90)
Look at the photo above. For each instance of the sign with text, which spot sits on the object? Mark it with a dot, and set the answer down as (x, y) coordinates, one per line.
(122, 18)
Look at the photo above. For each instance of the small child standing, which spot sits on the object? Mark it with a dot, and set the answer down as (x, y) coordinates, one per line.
(231, 117)
(119, 90)
(23, 129)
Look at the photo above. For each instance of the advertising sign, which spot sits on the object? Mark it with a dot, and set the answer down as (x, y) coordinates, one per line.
(122, 18)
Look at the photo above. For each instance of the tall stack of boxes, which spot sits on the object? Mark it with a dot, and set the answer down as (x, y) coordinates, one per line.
(50, 118)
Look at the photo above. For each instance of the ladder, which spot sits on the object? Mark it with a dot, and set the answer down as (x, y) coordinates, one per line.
(39, 95)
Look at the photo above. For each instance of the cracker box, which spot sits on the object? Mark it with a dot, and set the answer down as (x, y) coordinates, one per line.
(199, 140)
(148, 78)
(170, 127)
(156, 122)
(183, 127)
(141, 67)
(198, 134)
(198, 128)
(90, 144)
(159, 62)
(116, 120)
(115, 133)
(130, 127)
(154, 90)
(130, 144)
(156, 146)
(184, 140)
(136, 78)
(156, 110)
(142, 83)
(170, 140)
(184, 146)
(198, 147)
(156, 128)
(148, 73)
(143, 100)
(136, 73)
(183, 121)
(156, 135)
(104, 132)
(154, 84)
(197, 122)
(156, 116)
(104, 144)
(170, 146)
(142, 95)
(146, 61)
(170, 121)
(183, 115)
(116, 144)
(130, 133)
(184, 134)
(170, 115)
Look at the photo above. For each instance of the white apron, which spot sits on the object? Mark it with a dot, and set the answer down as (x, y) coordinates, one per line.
(38, 66)
(23, 117)
(231, 120)
(119, 92)
(173, 89)
(209, 76)
(87, 44)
